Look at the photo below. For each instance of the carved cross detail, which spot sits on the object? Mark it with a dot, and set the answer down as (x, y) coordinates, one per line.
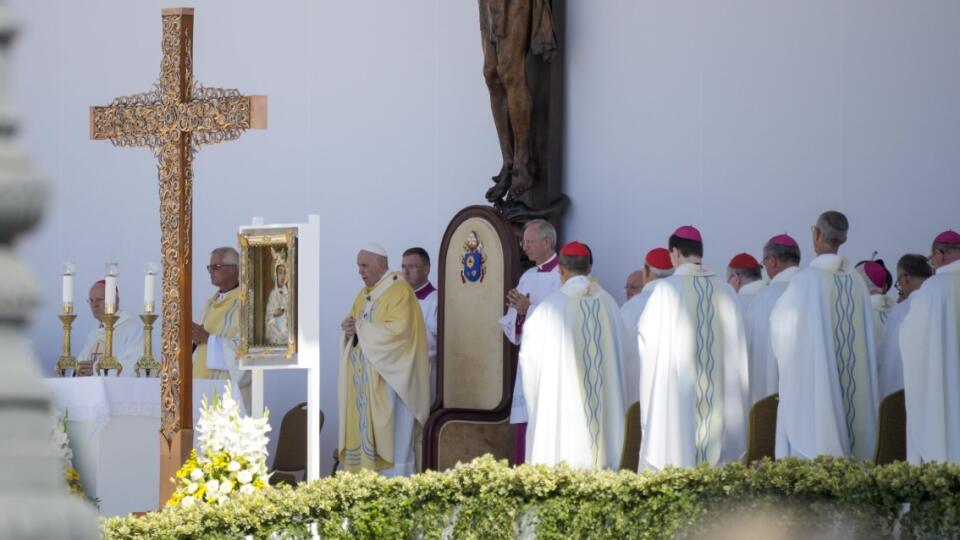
(173, 120)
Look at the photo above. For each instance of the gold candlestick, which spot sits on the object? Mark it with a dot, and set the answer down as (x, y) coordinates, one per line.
(147, 362)
(108, 361)
(67, 360)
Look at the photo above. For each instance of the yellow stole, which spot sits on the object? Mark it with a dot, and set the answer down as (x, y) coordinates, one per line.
(390, 352)
(219, 318)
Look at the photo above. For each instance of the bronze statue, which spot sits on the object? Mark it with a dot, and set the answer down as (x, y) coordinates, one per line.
(510, 29)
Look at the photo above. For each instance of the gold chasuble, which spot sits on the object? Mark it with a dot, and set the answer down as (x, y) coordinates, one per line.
(387, 358)
(219, 318)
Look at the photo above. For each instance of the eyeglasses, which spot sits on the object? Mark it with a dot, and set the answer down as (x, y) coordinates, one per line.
(214, 267)
(896, 284)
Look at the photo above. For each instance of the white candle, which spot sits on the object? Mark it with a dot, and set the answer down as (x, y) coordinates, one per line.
(67, 290)
(110, 303)
(149, 286)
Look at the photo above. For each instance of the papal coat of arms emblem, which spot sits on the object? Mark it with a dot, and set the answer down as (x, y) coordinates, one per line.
(473, 262)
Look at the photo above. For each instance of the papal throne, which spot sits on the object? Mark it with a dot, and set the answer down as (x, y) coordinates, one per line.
(476, 365)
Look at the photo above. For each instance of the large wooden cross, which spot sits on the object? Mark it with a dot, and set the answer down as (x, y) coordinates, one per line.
(173, 120)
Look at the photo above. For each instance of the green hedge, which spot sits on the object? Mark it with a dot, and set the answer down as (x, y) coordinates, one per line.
(488, 499)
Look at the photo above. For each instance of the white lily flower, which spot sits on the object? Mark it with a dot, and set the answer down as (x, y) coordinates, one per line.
(213, 486)
(187, 502)
(196, 475)
(245, 476)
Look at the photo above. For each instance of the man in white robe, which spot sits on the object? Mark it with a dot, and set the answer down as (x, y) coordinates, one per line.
(416, 270)
(912, 271)
(656, 265)
(693, 357)
(572, 359)
(539, 243)
(822, 334)
(127, 336)
(745, 275)
(930, 344)
(383, 389)
(781, 260)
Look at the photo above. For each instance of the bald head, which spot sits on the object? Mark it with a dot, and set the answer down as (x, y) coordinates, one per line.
(634, 284)
(371, 267)
(96, 298)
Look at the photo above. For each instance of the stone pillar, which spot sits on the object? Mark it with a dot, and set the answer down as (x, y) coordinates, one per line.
(34, 501)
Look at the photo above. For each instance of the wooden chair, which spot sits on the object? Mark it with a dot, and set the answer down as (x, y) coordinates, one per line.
(892, 430)
(290, 459)
(763, 428)
(632, 436)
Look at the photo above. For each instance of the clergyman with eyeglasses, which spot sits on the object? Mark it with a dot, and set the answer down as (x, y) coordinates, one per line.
(930, 345)
(216, 334)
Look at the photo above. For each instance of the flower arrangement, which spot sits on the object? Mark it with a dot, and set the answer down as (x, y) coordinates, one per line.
(60, 439)
(232, 459)
(490, 499)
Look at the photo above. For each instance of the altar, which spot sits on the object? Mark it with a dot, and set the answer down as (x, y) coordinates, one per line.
(113, 424)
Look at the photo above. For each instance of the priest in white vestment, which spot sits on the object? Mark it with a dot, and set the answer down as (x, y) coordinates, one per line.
(416, 270)
(930, 344)
(656, 265)
(572, 357)
(127, 336)
(745, 275)
(912, 271)
(781, 260)
(539, 243)
(383, 389)
(693, 357)
(822, 334)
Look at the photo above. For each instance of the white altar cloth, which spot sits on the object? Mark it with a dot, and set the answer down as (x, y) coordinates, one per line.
(114, 429)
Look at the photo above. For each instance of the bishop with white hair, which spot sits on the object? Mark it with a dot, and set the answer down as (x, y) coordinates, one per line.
(383, 389)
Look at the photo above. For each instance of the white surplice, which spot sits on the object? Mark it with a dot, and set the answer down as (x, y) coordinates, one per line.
(822, 334)
(764, 375)
(889, 360)
(630, 312)
(572, 377)
(538, 282)
(427, 297)
(930, 345)
(127, 343)
(693, 376)
(881, 305)
(747, 293)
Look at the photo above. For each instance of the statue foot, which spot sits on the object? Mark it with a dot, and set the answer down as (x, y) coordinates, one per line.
(503, 175)
(499, 189)
(522, 182)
